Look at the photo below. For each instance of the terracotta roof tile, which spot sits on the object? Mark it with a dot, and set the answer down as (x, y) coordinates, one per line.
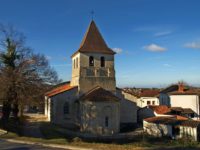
(99, 94)
(174, 120)
(186, 92)
(160, 109)
(149, 93)
(144, 93)
(163, 120)
(182, 110)
(59, 89)
(180, 117)
(93, 42)
(190, 123)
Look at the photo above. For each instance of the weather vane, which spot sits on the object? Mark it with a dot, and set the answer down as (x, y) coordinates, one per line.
(92, 14)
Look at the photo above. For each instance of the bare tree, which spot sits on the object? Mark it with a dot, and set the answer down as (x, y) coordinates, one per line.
(24, 76)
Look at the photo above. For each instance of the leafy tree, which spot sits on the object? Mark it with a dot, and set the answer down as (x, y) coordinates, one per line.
(24, 75)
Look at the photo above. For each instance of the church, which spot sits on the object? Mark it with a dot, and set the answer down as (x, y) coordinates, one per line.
(91, 103)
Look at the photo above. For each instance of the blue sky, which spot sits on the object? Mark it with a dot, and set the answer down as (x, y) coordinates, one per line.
(158, 41)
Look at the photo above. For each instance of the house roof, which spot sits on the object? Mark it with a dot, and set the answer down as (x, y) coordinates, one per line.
(144, 93)
(99, 94)
(93, 42)
(190, 123)
(163, 120)
(59, 89)
(149, 93)
(187, 111)
(160, 109)
(174, 120)
(182, 110)
(186, 92)
(170, 88)
(163, 109)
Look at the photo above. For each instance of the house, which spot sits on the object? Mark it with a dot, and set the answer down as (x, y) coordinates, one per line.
(163, 110)
(175, 127)
(181, 96)
(144, 97)
(91, 103)
(161, 126)
(148, 97)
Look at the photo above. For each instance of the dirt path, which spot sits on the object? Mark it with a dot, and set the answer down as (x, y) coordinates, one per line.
(32, 125)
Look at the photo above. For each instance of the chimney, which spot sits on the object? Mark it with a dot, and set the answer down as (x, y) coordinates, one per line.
(180, 87)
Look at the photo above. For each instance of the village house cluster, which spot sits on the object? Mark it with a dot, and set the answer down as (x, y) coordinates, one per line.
(92, 104)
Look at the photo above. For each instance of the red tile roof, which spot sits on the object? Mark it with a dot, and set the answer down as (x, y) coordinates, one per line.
(182, 110)
(186, 92)
(162, 120)
(160, 109)
(190, 123)
(93, 42)
(169, 120)
(181, 89)
(163, 109)
(180, 117)
(174, 120)
(99, 94)
(144, 93)
(149, 93)
(59, 89)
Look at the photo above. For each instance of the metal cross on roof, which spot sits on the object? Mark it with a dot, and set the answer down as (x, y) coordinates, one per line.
(92, 14)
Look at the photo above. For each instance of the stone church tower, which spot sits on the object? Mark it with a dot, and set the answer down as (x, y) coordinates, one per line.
(93, 63)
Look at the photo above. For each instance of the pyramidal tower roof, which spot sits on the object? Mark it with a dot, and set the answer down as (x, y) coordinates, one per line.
(93, 42)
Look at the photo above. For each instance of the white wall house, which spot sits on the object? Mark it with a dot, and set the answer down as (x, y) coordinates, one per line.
(181, 96)
(172, 127)
(186, 100)
(145, 101)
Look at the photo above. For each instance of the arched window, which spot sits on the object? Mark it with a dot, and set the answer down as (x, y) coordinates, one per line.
(91, 61)
(106, 121)
(74, 63)
(66, 108)
(102, 61)
(77, 62)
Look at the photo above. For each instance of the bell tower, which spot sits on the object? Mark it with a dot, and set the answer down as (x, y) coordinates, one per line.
(93, 63)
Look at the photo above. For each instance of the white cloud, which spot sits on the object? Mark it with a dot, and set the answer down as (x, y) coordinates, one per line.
(48, 57)
(194, 45)
(117, 50)
(167, 65)
(155, 48)
(164, 33)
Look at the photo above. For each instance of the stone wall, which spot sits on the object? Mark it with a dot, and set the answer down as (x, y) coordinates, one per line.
(93, 117)
(57, 103)
(157, 130)
(128, 107)
(87, 77)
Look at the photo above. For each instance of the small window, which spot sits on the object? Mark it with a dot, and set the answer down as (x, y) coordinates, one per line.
(106, 121)
(153, 102)
(76, 62)
(91, 61)
(102, 62)
(148, 102)
(192, 115)
(66, 108)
